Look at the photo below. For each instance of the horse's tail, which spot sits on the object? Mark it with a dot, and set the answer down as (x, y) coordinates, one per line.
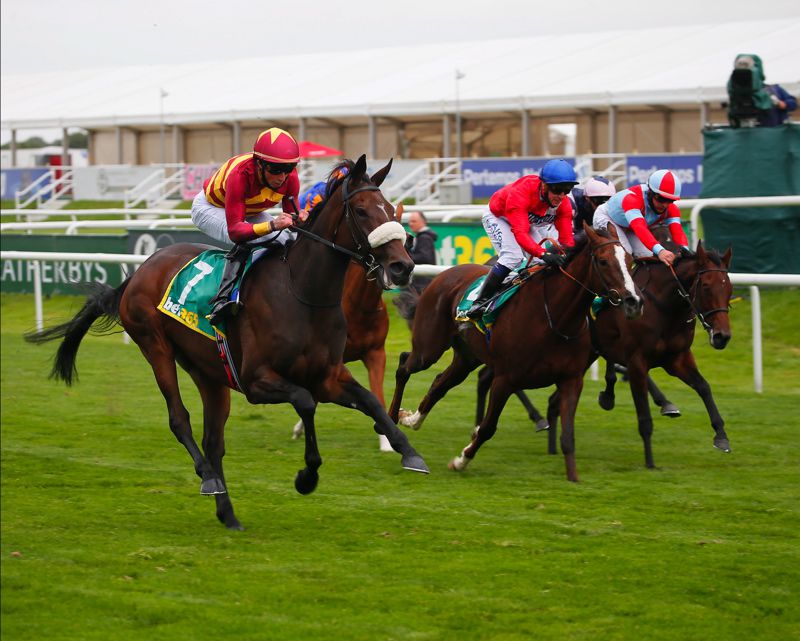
(102, 302)
(406, 304)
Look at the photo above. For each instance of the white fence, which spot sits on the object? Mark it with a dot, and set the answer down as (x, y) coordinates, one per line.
(422, 270)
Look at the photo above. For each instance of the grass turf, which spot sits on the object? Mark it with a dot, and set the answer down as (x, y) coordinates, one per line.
(104, 534)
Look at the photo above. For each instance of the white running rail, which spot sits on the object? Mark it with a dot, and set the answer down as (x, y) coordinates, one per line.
(754, 280)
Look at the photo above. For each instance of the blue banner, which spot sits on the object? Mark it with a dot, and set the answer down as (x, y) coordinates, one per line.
(687, 167)
(14, 180)
(487, 176)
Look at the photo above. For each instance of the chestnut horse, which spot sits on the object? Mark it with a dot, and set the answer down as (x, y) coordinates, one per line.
(697, 288)
(288, 341)
(540, 337)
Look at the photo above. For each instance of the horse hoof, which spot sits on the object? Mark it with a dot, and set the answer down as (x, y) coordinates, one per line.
(415, 463)
(671, 410)
(306, 481)
(542, 425)
(213, 486)
(722, 444)
(606, 401)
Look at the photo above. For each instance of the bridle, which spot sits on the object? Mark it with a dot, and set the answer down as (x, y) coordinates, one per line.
(690, 297)
(610, 292)
(362, 255)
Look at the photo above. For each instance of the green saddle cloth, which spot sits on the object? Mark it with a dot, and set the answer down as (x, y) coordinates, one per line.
(188, 295)
(492, 311)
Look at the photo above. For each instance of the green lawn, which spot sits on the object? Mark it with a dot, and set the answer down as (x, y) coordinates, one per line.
(105, 536)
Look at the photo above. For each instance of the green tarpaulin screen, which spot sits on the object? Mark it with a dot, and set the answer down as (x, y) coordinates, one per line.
(758, 161)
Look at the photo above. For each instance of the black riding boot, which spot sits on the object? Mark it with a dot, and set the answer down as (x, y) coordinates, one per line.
(489, 288)
(221, 304)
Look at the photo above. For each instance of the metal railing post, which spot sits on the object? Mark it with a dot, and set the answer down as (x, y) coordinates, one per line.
(758, 364)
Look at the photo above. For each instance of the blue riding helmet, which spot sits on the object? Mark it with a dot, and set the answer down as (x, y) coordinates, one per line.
(558, 171)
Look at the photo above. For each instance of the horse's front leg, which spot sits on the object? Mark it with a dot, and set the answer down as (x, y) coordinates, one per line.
(606, 398)
(344, 390)
(569, 391)
(375, 362)
(269, 388)
(637, 378)
(500, 391)
(685, 368)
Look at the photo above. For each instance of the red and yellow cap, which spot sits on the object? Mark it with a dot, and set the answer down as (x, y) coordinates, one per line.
(276, 145)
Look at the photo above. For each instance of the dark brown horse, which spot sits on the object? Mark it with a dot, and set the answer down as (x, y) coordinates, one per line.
(288, 341)
(367, 329)
(541, 337)
(698, 288)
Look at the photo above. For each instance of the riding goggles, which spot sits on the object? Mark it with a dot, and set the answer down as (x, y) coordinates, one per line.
(660, 198)
(560, 188)
(278, 168)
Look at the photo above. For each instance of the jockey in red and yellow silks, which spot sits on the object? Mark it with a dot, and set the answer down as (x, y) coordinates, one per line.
(232, 207)
(237, 188)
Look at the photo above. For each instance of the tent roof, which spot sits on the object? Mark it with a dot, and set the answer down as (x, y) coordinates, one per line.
(671, 66)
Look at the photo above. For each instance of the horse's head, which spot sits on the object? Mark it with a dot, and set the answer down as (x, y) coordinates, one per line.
(710, 293)
(611, 267)
(370, 230)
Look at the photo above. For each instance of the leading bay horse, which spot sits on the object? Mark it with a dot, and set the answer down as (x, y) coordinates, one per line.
(286, 343)
(697, 288)
(540, 337)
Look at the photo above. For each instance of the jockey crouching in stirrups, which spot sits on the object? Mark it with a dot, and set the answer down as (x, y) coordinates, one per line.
(232, 206)
(520, 216)
(635, 210)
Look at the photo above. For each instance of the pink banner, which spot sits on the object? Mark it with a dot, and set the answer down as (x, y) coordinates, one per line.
(194, 178)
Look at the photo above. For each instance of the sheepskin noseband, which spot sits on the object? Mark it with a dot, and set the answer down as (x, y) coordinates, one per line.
(386, 233)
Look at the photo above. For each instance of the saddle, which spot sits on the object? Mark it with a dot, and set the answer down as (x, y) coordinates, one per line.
(510, 286)
(187, 297)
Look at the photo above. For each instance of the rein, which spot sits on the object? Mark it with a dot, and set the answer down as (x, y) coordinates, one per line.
(364, 257)
(689, 298)
(611, 300)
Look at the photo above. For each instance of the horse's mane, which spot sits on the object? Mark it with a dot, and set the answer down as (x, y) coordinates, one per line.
(335, 178)
(581, 240)
(681, 252)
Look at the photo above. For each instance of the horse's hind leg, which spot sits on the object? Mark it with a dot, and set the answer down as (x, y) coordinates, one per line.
(553, 412)
(685, 368)
(162, 360)
(637, 378)
(606, 398)
(216, 409)
(668, 408)
(429, 341)
(454, 375)
(498, 396)
(485, 381)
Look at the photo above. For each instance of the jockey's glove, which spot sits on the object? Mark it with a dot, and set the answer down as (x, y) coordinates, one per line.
(553, 259)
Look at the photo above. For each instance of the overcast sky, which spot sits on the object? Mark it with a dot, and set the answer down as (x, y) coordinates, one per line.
(53, 35)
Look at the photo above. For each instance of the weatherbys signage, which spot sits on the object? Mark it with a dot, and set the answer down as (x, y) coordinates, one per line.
(688, 168)
(487, 176)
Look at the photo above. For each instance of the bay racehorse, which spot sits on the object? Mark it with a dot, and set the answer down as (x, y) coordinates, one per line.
(367, 329)
(540, 337)
(698, 288)
(286, 343)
